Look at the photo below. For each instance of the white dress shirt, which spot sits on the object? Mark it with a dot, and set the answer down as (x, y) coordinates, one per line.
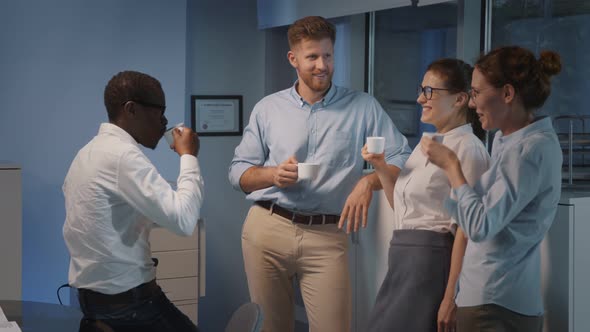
(422, 187)
(113, 197)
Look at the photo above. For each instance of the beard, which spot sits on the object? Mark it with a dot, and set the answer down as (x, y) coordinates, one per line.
(316, 84)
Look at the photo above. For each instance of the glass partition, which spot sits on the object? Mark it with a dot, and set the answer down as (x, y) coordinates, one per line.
(562, 26)
(406, 40)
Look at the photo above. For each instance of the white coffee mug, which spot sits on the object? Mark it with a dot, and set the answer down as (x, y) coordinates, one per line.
(375, 144)
(307, 171)
(168, 134)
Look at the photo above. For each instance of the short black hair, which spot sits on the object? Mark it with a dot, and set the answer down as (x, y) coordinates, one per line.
(130, 85)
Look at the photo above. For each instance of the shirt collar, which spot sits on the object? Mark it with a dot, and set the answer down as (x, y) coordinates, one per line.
(542, 123)
(111, 129)
(466, 128)
(324, 101)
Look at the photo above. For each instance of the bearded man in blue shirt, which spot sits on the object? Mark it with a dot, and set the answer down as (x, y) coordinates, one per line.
(295, 227)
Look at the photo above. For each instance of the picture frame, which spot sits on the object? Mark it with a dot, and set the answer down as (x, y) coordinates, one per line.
(217, 115)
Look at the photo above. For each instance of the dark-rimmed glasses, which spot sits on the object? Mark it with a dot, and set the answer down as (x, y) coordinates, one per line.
(427, 91)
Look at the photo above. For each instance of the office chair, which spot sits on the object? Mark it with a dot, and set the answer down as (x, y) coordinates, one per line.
(248, 318)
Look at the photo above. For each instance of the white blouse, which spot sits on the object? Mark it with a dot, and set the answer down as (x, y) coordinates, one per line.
(422, 187)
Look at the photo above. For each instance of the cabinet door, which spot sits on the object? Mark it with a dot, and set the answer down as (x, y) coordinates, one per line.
(556, 271)
(189, 308)
(10, 233)
(177, 264)
(180, 289)
(162, 239)
(580, 266)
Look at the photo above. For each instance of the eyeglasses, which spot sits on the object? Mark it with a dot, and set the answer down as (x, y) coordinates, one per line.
(427, 91)
(475, 92)
(146, 104)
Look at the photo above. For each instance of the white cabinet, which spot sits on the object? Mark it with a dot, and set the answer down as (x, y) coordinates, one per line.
(10, 232)
(369, 250)
(180, 270)
(565, 256)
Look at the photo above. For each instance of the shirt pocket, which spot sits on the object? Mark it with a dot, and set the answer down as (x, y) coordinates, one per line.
(339, 148)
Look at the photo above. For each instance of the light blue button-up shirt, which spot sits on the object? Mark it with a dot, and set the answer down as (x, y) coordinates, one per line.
(331, 132)
(506, 216)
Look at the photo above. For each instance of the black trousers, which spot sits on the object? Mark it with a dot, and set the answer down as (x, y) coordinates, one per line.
(145, 311)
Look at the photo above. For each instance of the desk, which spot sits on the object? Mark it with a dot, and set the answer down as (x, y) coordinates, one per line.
(42, 317)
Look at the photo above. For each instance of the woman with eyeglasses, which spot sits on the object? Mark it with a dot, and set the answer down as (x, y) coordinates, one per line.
(507, 212)
(426, 250)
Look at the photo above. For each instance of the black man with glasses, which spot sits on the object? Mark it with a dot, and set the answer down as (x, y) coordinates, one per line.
(114, 196)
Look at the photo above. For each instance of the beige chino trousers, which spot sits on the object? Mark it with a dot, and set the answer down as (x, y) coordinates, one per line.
(276, 250)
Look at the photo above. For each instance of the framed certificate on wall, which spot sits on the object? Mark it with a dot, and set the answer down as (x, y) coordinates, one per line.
(216, 115)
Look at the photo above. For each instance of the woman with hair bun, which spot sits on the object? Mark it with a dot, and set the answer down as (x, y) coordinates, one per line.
(507, 212)
(426, 249)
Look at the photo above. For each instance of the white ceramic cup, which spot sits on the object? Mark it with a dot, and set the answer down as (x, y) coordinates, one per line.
(433, 136)
(168, 134)
(307, 171)
(375, 144)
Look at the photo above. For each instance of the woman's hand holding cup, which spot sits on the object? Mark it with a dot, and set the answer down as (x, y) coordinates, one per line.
(375, 159)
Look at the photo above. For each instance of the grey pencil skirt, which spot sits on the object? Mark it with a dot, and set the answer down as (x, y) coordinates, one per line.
(409, 298)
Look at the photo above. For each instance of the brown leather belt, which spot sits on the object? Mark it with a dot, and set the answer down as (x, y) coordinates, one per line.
(316, 219)
(135, 294)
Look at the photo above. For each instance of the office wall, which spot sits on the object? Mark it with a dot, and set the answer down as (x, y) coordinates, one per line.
(56, 58)
(225, 56)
